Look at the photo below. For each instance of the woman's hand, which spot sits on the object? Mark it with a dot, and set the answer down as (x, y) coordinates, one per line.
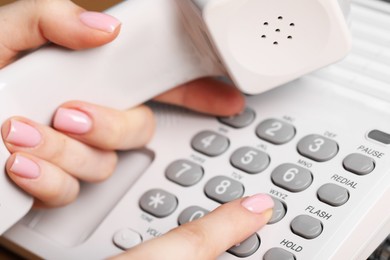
(49, 161)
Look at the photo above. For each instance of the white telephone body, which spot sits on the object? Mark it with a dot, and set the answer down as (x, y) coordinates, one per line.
(258, 44)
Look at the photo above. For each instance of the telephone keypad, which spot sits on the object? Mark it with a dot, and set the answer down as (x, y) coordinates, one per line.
(288, 176)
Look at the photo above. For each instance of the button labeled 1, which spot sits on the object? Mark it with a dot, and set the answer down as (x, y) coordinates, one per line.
(241, 120)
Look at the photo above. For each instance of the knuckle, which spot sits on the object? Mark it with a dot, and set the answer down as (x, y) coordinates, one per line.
(115, 137)
(69, 194)
(132, 129)
(144, 130)
(56, 152)
(108, 167)
(61, 192)
(40, 7)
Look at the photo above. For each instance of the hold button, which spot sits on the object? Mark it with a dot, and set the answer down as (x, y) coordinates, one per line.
(379, 136)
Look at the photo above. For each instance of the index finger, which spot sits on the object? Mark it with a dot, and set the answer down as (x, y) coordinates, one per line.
(211, 235)
(206, 95)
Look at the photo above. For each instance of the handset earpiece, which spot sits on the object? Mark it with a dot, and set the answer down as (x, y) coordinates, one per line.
(263, 43)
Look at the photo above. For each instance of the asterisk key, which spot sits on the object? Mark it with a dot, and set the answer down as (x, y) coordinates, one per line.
(156, 200)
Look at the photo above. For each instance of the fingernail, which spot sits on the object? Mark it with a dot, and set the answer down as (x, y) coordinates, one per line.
(25, 168)
(72, 121)
(100, 21)
(258, 203)
(22, 134)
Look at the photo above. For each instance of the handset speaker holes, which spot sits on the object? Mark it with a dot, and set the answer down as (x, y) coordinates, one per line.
(277, 30)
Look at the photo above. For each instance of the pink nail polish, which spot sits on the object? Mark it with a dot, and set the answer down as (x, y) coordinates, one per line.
(25, 168)
(258, 203)
(72, 121)
(99, 21)
(22, 134)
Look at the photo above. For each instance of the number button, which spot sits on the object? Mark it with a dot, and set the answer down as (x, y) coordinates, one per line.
(184, 172)
(318, 148)
(158, 202)
(292, 177)
(278, 212)
(247, 247)
(241, 120)
(275, 131)
(223, 189)
(191, 213)
(210, 143)
(250, 160)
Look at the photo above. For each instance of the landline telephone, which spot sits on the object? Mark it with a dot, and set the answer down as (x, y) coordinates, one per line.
(258, 44)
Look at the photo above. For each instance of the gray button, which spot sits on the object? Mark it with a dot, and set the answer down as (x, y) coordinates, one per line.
(292, 177)
(278, 212)
(275, 131)
(379, 136)
(126, 238)
(247, 247)
(191, 213)
(250, 160)
(210, 143)
(158, 202)
(278, 254)
(333, 194)
(223, 189)
(318, 148)
(184, 172)
(306, 226)
(359, 164)
(241, 120)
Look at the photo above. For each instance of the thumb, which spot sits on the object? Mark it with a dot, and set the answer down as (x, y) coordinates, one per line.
(28, 24)
(210, 236)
